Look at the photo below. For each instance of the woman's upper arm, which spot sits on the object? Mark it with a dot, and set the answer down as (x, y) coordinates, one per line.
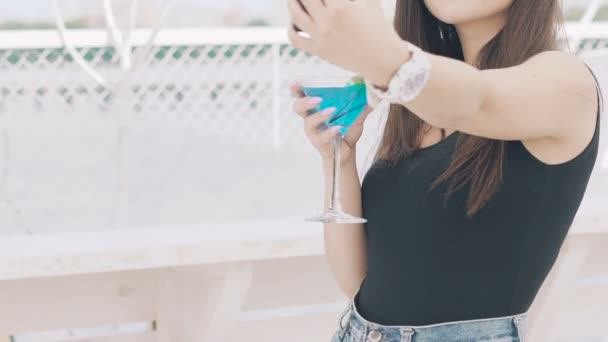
(552, 95)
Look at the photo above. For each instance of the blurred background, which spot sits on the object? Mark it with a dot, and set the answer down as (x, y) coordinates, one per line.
(151, 168)
(34, 14)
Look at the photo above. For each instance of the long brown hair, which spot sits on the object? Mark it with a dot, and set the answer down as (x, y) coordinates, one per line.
(531, 28)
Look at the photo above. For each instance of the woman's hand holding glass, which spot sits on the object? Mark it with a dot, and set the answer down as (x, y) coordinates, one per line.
(318, 134)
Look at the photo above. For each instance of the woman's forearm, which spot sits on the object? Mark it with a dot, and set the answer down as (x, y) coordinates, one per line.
(462, 88)
(345, 243)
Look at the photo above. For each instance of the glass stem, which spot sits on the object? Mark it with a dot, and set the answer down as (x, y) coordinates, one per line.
(335, 191)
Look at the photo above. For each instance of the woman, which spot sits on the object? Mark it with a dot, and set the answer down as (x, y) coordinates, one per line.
(491, 138)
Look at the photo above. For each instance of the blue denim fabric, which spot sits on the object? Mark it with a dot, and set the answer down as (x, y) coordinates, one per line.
(354, 328)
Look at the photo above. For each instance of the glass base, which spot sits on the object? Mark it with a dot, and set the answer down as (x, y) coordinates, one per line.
(335, 216)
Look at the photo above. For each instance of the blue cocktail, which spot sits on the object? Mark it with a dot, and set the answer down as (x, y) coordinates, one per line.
(349, 97)
(349, 101)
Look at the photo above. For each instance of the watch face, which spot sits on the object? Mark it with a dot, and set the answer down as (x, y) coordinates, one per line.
(409, 80)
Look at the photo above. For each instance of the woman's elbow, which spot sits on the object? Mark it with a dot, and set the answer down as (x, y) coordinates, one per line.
(350, 287)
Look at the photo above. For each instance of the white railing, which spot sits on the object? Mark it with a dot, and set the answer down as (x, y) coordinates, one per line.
(232, 83)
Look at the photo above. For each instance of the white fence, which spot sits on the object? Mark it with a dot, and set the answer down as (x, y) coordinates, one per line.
(199, 130)
(193, 130)
(229, 83)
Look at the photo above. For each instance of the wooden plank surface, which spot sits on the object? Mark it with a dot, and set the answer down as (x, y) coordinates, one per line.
(187, 303)
(30, 256)
(135, 249)
(77, 302)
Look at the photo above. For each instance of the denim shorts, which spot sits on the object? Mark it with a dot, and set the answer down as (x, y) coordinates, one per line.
(354, 328)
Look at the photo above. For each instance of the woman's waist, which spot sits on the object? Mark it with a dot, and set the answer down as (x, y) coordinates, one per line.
(398, 303)
(477, 329)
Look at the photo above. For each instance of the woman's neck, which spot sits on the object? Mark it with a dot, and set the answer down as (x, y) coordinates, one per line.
(474, 35)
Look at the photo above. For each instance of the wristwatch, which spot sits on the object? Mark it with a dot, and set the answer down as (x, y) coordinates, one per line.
(409, 80)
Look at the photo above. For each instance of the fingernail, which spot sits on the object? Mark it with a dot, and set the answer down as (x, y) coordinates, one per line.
(328, 112)
(336, 129)
(315, 100)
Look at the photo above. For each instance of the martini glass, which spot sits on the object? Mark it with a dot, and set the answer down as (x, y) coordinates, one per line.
(349, 97)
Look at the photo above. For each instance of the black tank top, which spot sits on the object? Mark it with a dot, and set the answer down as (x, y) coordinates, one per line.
(429, 263)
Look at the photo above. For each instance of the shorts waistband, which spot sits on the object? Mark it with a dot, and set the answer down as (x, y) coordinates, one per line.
(477, 329)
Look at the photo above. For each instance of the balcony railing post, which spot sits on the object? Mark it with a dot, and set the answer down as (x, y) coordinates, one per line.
(577, 36)
(276, 94)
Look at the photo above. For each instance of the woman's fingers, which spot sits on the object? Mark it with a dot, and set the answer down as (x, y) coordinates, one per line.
(304, 105)
(327, 136)
(299, 40)
(299, 17)
(316, 8)
(364, 114)
(312, 122)
(333, 3)
(296, 90)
